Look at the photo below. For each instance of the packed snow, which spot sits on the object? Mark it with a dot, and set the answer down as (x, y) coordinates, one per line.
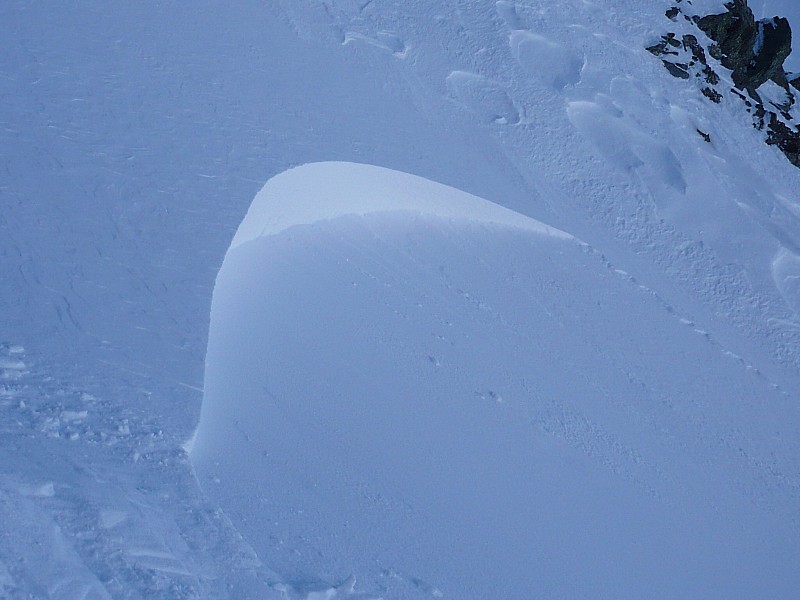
(432, 401)
(133, 140)
(294, 198)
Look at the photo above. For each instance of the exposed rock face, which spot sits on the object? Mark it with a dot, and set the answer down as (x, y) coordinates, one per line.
(781, 135)
(754, 52)
(695, 61)
(776, 45)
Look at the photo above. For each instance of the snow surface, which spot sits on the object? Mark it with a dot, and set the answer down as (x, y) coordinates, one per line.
(133, 138)
(324, 191)
(439, 403)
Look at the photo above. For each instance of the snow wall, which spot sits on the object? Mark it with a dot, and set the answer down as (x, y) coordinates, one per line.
(443, 398)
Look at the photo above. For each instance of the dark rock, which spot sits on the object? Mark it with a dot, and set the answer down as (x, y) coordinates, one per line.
(663, 47)
(734, 32)
(669, 45)
(690, 43)
(787, 139)
(741, 97)
(712, 95)
(680, 70)
(775, 36)
(710, 75)
(715, 51)
(754, 50)
(760, 115)
(782, 79)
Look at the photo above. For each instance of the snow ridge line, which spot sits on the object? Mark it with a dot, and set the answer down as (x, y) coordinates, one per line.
(285, 200)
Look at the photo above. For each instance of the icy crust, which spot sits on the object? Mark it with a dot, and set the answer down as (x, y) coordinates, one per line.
(294, 198)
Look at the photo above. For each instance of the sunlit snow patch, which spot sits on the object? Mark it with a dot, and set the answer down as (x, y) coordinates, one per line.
(445, 398)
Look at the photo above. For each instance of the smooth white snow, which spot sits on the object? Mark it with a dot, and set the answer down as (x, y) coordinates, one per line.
(428, 401)
(324, 191)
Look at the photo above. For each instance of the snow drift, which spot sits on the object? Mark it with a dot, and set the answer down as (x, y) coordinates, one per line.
(135, 136)
(293, 198)
(443, 398)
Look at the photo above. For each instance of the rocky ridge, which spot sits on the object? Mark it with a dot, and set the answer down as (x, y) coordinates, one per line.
(732, 52)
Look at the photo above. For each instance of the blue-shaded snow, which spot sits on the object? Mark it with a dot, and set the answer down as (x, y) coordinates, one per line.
(410, 397)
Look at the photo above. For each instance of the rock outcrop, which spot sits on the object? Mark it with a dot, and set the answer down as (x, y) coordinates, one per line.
(754, 51)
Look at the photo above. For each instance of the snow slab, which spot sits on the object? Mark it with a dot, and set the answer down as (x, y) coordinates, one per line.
(441, 406)
(293, 198)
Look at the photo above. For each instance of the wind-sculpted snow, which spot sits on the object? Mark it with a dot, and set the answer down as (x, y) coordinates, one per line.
(133, 137)
(440, 401)
(294, 198)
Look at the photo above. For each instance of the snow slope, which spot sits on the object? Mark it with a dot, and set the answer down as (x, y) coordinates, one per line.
(133, 137)
(465, 407)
